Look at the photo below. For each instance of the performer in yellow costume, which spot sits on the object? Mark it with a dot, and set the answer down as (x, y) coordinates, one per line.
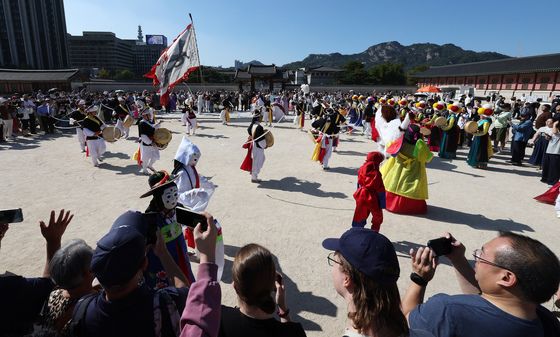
(404, 174)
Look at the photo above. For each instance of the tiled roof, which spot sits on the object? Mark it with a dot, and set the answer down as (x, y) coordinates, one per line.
(242, 75)
(531, 64)
(61, 75)
(261, 70)
(325, 69)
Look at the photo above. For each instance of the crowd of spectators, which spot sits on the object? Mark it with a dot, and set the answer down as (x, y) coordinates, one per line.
(100, 292)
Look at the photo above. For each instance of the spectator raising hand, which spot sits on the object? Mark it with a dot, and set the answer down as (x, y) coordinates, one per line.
(53, 234)
(55, 229)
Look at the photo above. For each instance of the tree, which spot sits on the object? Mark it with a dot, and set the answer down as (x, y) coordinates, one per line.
(354, 73)
(418, 69)
(124, 74)
(104, 73)
(388, 74)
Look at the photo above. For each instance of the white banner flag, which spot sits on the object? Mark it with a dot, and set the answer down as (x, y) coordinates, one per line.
(176, 63)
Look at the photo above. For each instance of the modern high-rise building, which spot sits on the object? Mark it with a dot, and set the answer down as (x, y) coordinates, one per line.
(33, 34)
(100, 50)
(104, 50)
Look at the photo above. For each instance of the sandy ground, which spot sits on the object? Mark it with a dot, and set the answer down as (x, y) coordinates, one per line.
(295, 207)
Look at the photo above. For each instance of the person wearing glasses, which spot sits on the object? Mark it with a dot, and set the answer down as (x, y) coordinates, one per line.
(365, 271)
(513, 275)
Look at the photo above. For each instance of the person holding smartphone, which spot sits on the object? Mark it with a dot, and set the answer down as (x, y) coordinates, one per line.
(23, 298)
(503, 293)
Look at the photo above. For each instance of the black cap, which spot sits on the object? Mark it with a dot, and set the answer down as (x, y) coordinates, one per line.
(369, 252)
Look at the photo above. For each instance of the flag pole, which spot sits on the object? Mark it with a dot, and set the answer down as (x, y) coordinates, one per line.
(197, 54)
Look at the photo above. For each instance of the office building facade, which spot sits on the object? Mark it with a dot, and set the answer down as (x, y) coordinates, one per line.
(33, 34)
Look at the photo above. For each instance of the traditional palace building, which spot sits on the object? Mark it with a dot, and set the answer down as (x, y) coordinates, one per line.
(535, 76)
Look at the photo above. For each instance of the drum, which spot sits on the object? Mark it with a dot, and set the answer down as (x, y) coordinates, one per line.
(269, 138)
(471, 127)
(440, 121)
(111, 134)
(162, 138)
(425, 131)
(128, 121)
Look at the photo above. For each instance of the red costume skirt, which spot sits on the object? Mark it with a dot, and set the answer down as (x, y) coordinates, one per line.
(403, 205)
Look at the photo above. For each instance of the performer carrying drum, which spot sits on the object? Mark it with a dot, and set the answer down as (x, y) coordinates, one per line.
(76, 117)
(149, 153)
(124, 121)
(93, 127)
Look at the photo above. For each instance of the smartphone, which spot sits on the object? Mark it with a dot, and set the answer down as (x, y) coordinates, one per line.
(190, 218)
(11, 216)
(151, 227)
(440, 246)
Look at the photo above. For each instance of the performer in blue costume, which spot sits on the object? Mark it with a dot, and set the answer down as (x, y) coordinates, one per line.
(162, 207)
(481, 148)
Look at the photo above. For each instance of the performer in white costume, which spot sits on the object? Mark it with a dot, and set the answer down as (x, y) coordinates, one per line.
(92, 130)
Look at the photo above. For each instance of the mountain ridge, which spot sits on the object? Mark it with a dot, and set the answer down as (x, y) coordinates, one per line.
(414, 55)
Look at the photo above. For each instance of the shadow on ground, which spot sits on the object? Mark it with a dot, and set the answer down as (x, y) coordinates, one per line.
(32, 141)
(351, 171)
(350, 153)
(476, 221)
(118, 155)
(129, 169)
(292, 184)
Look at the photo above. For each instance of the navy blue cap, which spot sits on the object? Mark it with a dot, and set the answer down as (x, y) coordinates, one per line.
(369, 252)
(118, 255)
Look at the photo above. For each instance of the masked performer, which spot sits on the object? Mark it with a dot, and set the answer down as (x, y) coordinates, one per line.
(165, 194)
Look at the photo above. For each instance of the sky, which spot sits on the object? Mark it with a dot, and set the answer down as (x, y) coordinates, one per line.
(285, 31)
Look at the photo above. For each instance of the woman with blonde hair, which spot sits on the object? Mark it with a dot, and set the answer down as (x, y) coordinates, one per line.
(365, 274)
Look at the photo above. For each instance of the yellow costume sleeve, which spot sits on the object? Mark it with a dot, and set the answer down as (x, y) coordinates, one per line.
(449, 124)
(422, 152)
(485, 128)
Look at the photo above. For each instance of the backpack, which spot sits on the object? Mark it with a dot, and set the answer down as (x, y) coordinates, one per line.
(166, 321)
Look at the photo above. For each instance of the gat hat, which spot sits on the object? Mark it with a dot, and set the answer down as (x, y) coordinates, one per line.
(158, 181)
(257, 113)
(369, 252)
(120, 253)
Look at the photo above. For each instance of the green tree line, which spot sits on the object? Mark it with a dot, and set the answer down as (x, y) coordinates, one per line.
(385, 74)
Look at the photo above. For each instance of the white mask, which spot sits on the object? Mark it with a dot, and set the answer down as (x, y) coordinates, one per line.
(169, 197)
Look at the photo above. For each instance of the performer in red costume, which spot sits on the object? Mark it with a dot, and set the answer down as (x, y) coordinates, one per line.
(370, 195)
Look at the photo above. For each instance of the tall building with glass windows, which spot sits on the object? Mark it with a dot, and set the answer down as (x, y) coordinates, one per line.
(33, 34)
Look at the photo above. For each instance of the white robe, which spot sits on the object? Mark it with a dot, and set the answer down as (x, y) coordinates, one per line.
(190, 196)
(327, 144)
(96, 147)
(148, 153)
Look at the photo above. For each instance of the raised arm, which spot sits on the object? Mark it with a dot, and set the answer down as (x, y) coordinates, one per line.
(53, 234)
(424, 265)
